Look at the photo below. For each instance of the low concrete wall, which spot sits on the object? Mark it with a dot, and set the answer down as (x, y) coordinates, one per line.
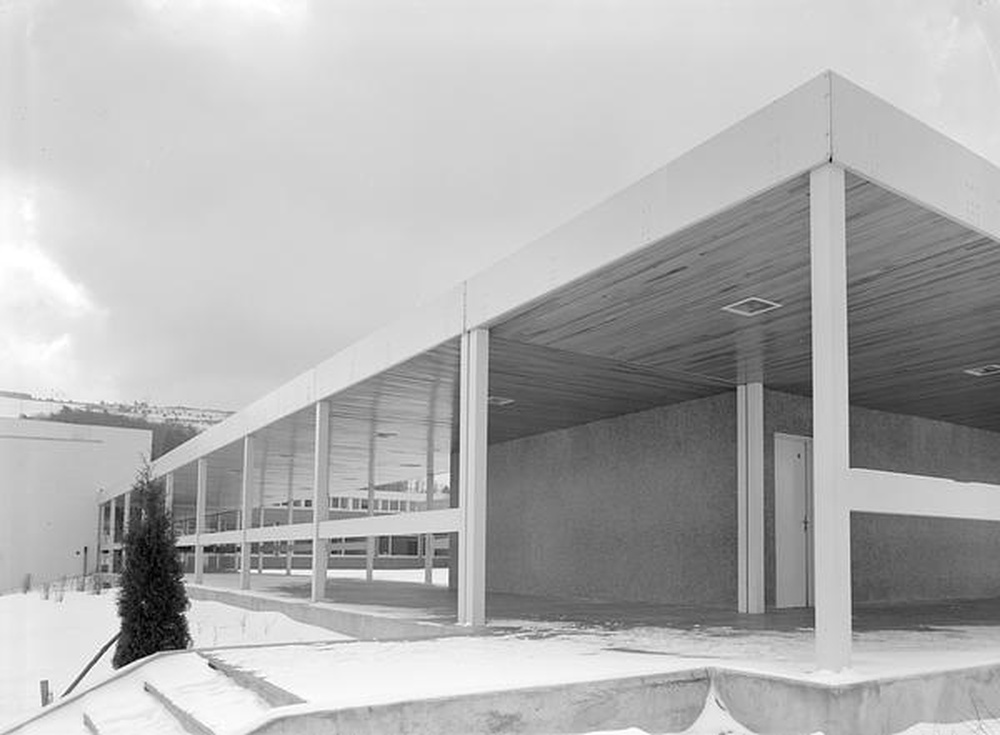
(363, 626)
(781, 706)
(671, 703)
(662, 703)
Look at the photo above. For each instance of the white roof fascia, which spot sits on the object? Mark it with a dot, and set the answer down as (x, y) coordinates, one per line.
(785, 139)
(898, 152)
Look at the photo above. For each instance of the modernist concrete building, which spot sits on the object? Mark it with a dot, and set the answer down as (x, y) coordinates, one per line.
(50, 474)
(765, 375)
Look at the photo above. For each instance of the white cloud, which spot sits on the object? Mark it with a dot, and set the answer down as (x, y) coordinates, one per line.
(42, 310)
(29, 275)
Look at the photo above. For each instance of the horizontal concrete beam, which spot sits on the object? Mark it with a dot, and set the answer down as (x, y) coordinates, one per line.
(446, 520)
(874, 491)
(885, 145)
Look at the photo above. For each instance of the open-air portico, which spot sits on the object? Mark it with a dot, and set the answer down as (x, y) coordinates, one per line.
(758, 378)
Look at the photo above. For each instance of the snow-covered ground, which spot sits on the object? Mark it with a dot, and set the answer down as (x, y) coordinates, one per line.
(49, 639)
(876, 654)
(54, 640)
(370, 673)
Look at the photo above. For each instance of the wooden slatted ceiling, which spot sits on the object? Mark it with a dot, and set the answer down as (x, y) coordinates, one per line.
(553, 389)
(397, 415)
(924, 302)
(661, 307)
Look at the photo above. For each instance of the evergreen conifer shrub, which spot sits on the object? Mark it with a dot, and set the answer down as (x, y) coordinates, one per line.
(152, 599)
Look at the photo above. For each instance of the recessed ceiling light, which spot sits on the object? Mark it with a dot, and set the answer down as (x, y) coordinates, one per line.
(499, 401)
(984, 371)
(386, 434)
(411, 464)
(751, 306)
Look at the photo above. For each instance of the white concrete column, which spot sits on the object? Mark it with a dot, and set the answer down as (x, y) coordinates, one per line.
(370, 540)
(100, 536)
(127, 501)
(429, 537)
(246, 513)
(113, 520)
(168, 494)
(750, 505)
(320, 499)
(473, 407)
(199, 520)
(831, 431)
(126, 521)
(260, 506)
(290, 498)
(114, 526)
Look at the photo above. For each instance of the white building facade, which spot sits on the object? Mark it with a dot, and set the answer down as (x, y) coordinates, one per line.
(50, 477)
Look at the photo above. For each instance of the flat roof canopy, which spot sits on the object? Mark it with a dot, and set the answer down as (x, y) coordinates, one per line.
(622, 309)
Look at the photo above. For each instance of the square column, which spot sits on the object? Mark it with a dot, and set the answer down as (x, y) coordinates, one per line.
(113, 522)
(113, 519)
(260, 506)
(168, 494)
(290, 519)
(370, 540)
(199, 520)
(750, 503)
(473, 417)
(320, 500)
(126, 522)
(831, 430)
(100, 537)
(429, 537)
(127, 500)
(246, 512)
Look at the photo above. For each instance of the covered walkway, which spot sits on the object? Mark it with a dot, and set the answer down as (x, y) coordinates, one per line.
(949, 624)
(762, 377)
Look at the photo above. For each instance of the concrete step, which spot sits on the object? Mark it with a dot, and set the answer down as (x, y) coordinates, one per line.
(136, 714)
(206, 700)
(272, 694)
(189, 722)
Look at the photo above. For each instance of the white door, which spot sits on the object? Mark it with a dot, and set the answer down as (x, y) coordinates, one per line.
(793, 543)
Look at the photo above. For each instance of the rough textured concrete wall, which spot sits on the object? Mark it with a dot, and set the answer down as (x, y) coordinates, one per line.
(638, 507)
(897, 558)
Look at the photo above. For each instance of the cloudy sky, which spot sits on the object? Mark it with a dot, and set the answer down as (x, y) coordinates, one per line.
(201, 198)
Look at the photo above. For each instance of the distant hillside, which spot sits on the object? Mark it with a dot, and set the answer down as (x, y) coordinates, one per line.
(166, 435)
